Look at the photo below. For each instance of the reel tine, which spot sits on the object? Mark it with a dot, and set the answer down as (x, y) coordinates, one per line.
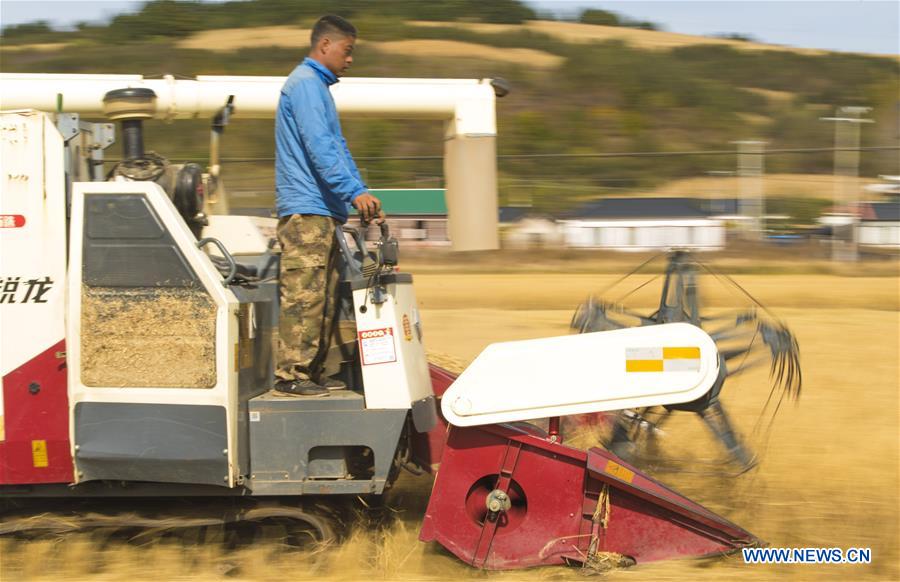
(785, 352)
(579, 317)
(778, 367)
(791, 352)
(796, 374)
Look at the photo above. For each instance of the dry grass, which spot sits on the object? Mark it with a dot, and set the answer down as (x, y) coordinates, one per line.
(231, 39)
(776, 97)
(234, 39)
(574, 32)
(535, 291)
(829, 474)
(41, 47)
(458, 49)
(774, 186)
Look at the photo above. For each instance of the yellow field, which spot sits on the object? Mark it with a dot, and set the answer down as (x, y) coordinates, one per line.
(774, 185)
(232, 39)
(287, 36)
(469, 50)
(575, 32)
(828, 476)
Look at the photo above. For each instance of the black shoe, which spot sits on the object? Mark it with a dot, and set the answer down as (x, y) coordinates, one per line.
(332, 383)
(301, 388)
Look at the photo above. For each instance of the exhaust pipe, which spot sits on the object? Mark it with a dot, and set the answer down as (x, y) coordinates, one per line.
(183, 183)
(131, 106)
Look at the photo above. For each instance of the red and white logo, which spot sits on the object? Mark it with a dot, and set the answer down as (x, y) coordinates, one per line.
(12, 221)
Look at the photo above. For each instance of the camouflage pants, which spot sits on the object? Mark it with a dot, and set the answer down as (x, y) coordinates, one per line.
(309, 279)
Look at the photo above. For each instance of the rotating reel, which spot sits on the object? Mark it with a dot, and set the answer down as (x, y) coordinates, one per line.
(745, 340)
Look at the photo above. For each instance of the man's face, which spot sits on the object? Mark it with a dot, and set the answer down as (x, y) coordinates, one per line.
(336, 53)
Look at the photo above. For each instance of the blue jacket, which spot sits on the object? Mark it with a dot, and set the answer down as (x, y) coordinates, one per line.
(314, 171)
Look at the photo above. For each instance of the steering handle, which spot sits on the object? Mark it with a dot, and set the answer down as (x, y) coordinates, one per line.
(232, 265)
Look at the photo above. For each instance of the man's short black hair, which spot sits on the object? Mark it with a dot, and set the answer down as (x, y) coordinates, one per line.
(331, 24)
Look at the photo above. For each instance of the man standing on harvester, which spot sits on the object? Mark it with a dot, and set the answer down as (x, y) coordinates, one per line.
(316, 180)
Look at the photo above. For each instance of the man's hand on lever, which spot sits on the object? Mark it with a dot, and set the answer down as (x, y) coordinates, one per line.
(369, 208)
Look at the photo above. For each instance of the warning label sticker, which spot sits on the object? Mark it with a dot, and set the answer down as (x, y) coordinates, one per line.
(617, 470)
(407, 328)
(39, 454)
(377, 346)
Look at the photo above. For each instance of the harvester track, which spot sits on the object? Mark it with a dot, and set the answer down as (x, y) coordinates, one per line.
(232, 522)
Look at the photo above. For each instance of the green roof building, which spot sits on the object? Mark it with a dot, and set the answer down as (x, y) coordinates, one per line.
(415, 215)
(413, 201)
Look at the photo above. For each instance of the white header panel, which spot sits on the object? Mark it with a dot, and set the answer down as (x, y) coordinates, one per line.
(578, 374)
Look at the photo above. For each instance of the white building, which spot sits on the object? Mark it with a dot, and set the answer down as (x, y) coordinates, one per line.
(643, 224)
(879, 225)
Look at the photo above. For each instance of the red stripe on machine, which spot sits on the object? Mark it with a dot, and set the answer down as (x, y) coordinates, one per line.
(36, 417)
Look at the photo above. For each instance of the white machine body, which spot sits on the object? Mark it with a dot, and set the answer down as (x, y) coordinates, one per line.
(392, 355)
(584, 373)
(32, 242)
(241, 235)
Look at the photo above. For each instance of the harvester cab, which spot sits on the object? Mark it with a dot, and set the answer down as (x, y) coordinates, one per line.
(163, 352)
(148, 368)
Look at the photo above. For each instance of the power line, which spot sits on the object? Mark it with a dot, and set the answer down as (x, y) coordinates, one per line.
(693, 153)
(805, 150)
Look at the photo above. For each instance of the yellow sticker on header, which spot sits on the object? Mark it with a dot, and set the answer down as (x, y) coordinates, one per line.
(691, 353)
(644, 365)
(662, 359)
(39, 454)
(619, 472)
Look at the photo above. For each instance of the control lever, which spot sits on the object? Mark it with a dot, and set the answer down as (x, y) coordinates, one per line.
(369, 265)
(390, 248)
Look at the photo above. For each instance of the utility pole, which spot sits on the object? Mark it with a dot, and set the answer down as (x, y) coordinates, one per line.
(846, 178)
(751, 205)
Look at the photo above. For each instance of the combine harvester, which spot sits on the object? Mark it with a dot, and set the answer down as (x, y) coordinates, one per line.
(137, 364)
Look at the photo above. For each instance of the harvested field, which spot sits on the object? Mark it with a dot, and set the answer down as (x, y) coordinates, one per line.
(828, 476)
(829, 473)
(529, 291)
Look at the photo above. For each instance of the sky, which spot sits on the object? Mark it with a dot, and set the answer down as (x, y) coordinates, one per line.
(871, 26)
